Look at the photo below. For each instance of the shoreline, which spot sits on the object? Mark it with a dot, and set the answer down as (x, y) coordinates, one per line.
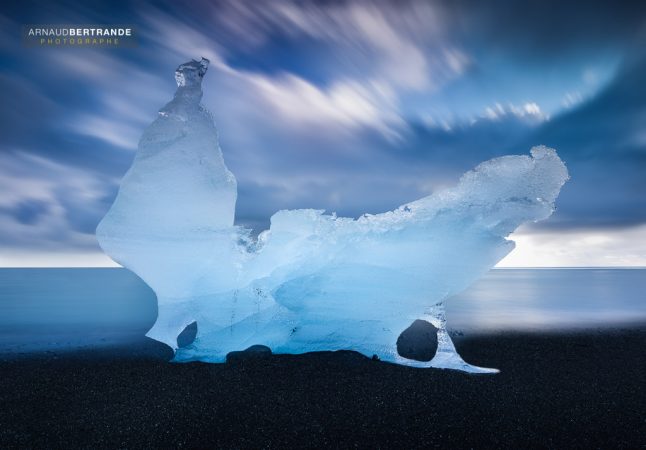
(559, 390)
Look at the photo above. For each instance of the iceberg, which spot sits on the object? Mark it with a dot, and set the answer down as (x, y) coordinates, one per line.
(312, 281)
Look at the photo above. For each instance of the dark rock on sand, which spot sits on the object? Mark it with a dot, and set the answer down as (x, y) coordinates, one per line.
(418, 342)
(253, 352)
(187, 336)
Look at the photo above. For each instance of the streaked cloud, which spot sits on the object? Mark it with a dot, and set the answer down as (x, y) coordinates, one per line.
(571, 99)
(378, 59)
(529, 110)
(121, 134)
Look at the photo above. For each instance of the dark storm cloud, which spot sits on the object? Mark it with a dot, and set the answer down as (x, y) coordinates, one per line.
(28, 212)
(542, 30)
(604, 142)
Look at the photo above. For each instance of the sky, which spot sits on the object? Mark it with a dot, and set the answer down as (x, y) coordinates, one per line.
(353, 107)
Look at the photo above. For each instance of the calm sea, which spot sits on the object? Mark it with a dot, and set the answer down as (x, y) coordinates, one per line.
(55, 309)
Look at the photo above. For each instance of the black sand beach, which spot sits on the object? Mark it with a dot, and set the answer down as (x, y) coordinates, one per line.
(558, 390)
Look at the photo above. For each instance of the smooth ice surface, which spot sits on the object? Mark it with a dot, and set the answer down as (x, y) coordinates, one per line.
(312, 281)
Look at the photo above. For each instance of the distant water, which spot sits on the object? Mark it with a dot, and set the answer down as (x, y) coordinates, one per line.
(57, 309)
(550, 298)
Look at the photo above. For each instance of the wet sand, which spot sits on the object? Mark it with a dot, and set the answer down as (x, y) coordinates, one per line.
(555, 390)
